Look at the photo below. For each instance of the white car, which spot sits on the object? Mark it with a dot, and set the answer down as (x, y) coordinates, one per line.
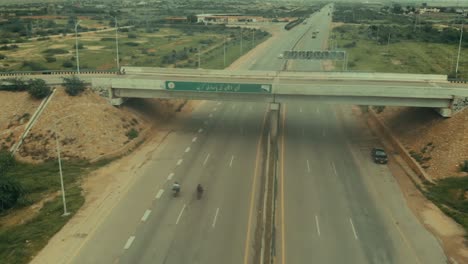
(280, 56)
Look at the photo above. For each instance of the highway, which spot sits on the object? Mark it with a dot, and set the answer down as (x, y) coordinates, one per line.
(335, 206)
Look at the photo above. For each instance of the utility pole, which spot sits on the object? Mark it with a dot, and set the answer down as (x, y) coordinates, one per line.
(199, 60)
(76, 47)
(388, 41)
(241, 41)
(459, 47)
(65, 212)
(117, 43)
(224, 52)
(253, 38)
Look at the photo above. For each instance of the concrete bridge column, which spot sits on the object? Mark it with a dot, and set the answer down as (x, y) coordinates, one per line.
(457, 104)
(274, 121)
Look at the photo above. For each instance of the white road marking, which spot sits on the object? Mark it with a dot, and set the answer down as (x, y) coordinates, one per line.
(215, 217)
(169, 177)
(317, 224)
(206, 159)
(232, 159)
(219, 103)
(215, 109)
(352, 226)
(200, 130)
(300, 110)
(334, 169)
(179, 162)
(159, 194)
(180, 214)
(194, 139)
(145, 215)
(308, 166)
(129, 242)
(187, 149)
(210, 115)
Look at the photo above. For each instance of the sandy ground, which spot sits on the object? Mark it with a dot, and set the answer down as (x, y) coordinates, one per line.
(450, 234)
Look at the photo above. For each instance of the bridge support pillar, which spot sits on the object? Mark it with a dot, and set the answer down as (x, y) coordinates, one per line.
(458, 103)
(444, 112)
(274, 121)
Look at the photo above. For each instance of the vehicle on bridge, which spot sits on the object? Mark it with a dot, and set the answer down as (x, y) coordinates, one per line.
(379, 155)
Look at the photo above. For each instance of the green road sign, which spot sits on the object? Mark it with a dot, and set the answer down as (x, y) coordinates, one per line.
(218, 87)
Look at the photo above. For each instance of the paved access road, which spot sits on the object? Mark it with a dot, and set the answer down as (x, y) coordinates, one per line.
(336, 206)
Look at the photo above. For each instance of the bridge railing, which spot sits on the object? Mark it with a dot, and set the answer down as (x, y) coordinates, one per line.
(55, 72)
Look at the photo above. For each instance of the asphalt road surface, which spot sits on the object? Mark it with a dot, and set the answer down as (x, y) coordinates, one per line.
(335, 206)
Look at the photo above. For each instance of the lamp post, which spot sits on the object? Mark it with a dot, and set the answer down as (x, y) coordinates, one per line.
(199, 60)
(224, 51)
(241, 41)
(65, 212)
(459, 47)
(76, 47)
(117, 44)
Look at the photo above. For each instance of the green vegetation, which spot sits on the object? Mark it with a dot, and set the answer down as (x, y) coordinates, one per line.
(38, 88)
(464, 166)
(21, 241)
(73, 85)
(451, 196)
(132, 134)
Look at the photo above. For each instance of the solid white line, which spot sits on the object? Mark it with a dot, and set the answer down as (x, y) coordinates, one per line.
(200, 130)
(180, 214)
(179, 162)
(145, 216)
(206, 159)
(352, 226)
(317, 224)
(334, 169)
(159, 194)
(194, 139)
(230, 163)
(187, 149)
(308, 166)
(210, 115)
(169, 177)
(129, 242)
(215, 217)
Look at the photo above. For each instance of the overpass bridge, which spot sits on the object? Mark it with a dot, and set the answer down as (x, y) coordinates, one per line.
(385, 89)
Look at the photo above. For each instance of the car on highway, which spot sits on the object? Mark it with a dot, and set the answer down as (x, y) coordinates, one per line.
(280, 56)
(379, 155)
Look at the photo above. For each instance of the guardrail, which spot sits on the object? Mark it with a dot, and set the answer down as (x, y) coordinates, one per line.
(23, 73)
(453, 80)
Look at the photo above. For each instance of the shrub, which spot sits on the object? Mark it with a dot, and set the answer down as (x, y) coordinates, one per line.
(132, 44)
(132, 36)
(55, 51)
(107, 39)
(38, 88)
(14, 84)
(80, 46)
(2, 57)
(132, 133)
(73, 85)
(32, 65)
(67, 64)
(50, 59)
(464, 166)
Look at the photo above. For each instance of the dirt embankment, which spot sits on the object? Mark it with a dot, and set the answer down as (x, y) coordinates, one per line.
(87, 125)
(439, 144)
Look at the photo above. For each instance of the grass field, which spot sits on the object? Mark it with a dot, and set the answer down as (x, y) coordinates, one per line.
(399, 57)
(141, 49)
(19, 242)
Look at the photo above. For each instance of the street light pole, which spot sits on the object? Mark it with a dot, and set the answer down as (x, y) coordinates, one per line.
(253, 38)
(459, 47)
(241, 40)
(117, 43)
(65, 212)
(199, 61)
(224, 51)
(76, 47)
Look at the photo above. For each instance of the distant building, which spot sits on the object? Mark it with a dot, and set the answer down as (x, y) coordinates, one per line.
(176, 19)
(429, 10)
(227, 18)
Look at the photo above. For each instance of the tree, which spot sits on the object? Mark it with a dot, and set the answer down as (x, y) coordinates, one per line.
(73, 85)
(38, 88)
(7, 161)
(192, 18)
(10, 188)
